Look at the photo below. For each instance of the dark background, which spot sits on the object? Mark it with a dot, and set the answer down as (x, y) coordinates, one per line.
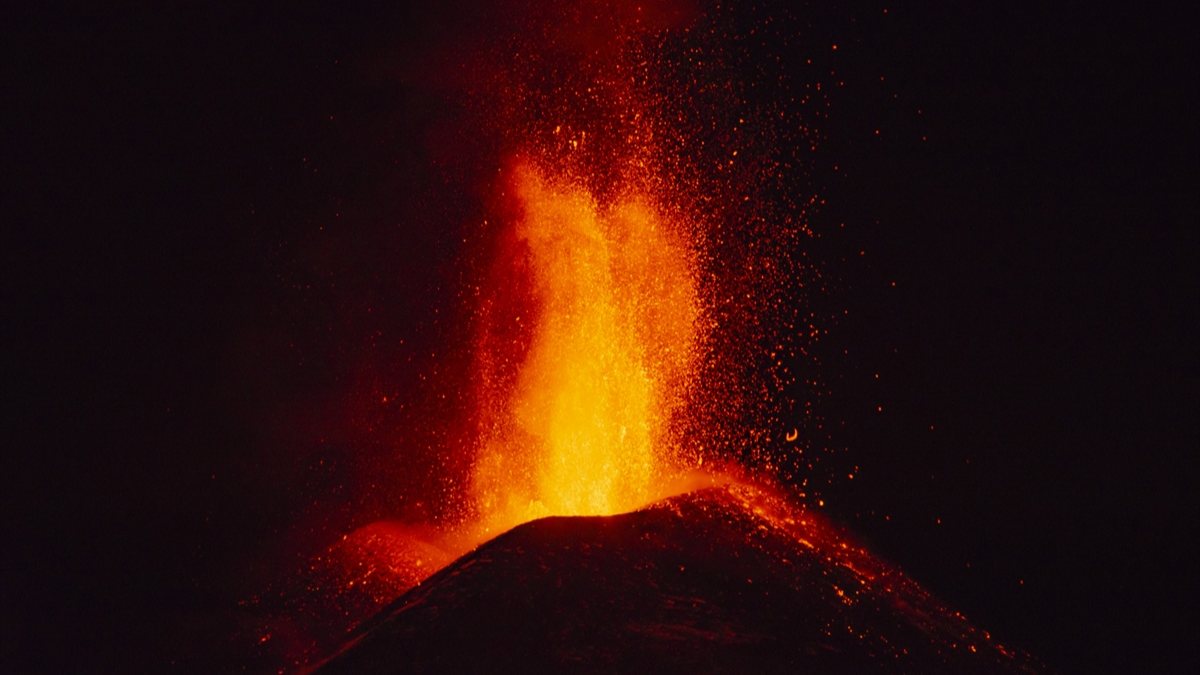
(205, 224)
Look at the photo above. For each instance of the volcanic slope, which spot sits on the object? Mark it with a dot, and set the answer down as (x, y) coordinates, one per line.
(730, 579)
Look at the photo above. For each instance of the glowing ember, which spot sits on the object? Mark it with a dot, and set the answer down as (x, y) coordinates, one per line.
(605, 341)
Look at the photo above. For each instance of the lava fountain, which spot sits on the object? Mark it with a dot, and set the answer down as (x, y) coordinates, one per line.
(585, 352)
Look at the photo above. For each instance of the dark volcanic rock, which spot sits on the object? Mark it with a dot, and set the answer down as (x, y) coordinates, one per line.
(723, 580)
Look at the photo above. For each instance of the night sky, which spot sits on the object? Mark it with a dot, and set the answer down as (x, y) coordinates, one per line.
(213, 275)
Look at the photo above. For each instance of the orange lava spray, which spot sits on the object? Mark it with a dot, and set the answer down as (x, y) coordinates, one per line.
(576, 411)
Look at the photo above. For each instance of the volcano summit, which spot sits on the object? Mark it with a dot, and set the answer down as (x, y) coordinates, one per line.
(730, 579)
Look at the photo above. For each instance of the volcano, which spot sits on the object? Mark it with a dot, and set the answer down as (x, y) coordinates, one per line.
(728, 579)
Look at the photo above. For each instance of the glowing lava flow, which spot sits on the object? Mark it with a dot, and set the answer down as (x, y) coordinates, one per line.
(576, 404)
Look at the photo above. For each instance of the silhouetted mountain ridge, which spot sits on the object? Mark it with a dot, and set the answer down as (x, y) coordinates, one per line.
(727, 579)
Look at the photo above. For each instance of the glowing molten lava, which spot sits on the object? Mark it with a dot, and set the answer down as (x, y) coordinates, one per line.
(585, 353)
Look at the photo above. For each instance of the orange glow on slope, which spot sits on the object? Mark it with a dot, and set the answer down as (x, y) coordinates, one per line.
(576, 408)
